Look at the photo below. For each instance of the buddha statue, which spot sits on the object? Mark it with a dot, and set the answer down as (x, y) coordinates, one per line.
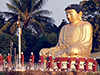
(75, 38)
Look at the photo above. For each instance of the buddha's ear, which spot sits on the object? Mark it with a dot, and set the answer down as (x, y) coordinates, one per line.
(80, 13)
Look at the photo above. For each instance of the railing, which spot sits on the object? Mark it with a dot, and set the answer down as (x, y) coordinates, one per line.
(28, 66)
(25, 66)
(98, 67)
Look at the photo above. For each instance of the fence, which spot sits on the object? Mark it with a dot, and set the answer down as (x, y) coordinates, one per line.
(27, 66)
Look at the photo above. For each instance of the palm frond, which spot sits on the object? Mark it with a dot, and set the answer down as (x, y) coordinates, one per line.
(24, 4)
(17, 4)
(4, 28)
(9, 14)
(13, 8)
(13, 19)
(14, 28)
(39, 4)
(41, 12)
(44, 19)
(30, 5)
(39, 25)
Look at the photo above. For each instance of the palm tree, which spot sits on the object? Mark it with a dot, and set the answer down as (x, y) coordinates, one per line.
(31, 15)
(2, 20)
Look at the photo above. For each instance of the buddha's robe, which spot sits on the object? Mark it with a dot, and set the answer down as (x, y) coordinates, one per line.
(74, 40)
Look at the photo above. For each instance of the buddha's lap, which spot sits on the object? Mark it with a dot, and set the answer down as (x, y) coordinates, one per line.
(72, 50)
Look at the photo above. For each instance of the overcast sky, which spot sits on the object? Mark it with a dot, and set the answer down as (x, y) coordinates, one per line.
(56, 6)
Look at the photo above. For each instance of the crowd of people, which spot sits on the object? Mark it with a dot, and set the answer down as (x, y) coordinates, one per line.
(8, 64)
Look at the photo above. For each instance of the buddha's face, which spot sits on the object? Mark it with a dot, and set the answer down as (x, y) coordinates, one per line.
(72, 15)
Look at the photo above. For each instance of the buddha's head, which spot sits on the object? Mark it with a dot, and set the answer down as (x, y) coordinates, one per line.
(73, 12)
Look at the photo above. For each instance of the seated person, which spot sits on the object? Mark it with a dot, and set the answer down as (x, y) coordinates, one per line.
(75, 39)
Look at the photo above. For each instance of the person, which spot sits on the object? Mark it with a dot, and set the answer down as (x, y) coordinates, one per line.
(68, 63)
(77, 64)
(32, 57)
(94, 66)
(1, 61)
(9, 60)
(86, 64)
(22, 58)
(32, 60)
(41, 60)
(49, 63)
(75, 38)
(59, 62)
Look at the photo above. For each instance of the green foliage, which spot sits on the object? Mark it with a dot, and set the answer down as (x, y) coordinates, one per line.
(91, 13)
(62, 24)
(46, 41)
(30, 41)
(4, 44)
(35, 43)
(51, 38)
(38, 30)
(89, 73)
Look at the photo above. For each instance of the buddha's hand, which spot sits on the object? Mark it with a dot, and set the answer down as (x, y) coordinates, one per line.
(54, 47)
(64, 47)
(44, 51)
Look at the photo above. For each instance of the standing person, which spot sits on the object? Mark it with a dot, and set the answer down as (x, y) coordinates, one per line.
(94, 66)
(77, 64)
(32, 60)
(50, 59)
(22, 58)
(1, 62)
(68, 63)
(41, 60)
(86, 64)
(59, 62)
(9, 60)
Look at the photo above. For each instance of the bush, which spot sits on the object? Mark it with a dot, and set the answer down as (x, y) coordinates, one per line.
(89, 73)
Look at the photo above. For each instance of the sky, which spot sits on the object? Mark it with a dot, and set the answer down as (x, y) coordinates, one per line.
(56, 6)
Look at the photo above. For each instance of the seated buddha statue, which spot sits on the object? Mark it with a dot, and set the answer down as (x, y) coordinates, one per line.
(75, 38)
